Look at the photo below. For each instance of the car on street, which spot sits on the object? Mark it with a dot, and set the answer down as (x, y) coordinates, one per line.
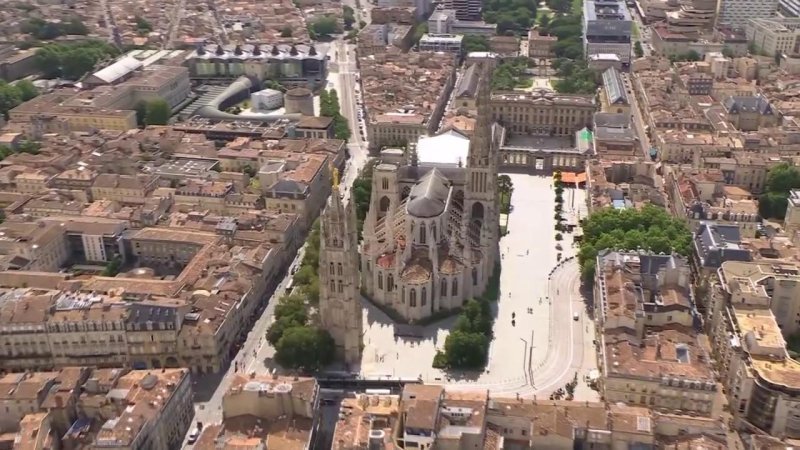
(576, 317)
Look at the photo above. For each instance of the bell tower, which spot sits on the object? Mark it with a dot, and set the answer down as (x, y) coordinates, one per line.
(339, 304)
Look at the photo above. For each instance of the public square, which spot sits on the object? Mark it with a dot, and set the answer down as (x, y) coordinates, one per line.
(545, 346)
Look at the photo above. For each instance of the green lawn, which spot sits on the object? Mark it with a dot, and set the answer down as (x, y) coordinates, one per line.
(577, 6)
(635, 31)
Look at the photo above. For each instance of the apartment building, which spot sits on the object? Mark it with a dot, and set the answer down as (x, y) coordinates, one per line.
(738, 13)
(23, 328)
(146, 410)
(607, 28)
(791, 223)
(753, 312)
(448, 43)
(418, 84)
(38, 246)
(698, 195)
(623, 183)
(649, 353)
(21, 394)
(750, 113)
(297, 186)
(271, 398)
(540, 46)
(201, 195)
(125, 189)
(542, 112)
(716, 243)
(281, 411)
(87, 329)
(774, 35)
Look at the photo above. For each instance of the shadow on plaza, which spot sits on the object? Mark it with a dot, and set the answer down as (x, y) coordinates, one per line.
(204, 385)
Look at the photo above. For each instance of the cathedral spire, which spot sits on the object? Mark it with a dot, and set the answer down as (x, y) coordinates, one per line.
(479, 146)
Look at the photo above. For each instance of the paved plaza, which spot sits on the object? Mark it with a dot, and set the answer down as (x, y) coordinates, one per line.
(545, 347)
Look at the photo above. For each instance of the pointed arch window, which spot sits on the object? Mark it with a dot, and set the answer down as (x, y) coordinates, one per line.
(385, 183)
(412, 297)
(330, 267)
(424, 298)
(474, 276)
(390, 283)
(339, 268)
(380, 280)
(433, 231)
(422, 236)
(454, 291)
(341, 286)
(333, 286)
(444, 288)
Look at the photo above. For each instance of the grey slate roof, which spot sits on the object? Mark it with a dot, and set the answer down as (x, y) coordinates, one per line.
(468, 84)
(739, 104)
(428, 197)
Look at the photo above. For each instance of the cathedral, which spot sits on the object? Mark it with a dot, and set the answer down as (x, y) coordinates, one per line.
(339, 298)
(430, 238)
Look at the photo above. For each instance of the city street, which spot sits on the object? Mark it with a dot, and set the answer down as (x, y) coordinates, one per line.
(256, 355)
(342, 77)
(545, 346)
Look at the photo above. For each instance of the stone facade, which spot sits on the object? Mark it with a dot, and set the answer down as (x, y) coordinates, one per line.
(431, 234)
(339, 304)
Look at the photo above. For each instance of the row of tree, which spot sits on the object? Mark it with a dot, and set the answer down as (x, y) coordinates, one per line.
(45, 30)
(780, 180)
(650, 228)
(361, 193)
(329, 107)
(12, 95)
(72, 60)
(299, 343)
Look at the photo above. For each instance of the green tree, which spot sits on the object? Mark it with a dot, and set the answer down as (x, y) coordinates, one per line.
(637, 49)
(348, 16)
(26, 89)
(141, 113)
(72, 60)
(305, 348)
(142, 25)
(361, 193)
(650, 228)
(325, 26)
(783, 178)
(157, 112)
(112, 268)
(475, 43)
(9, 98)
(466, 350)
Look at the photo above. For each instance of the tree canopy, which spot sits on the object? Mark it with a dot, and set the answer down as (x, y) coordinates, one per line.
(329, 107)
(475, 43)
(305, 348)
(73, 60)
(575, 77)
(361, 193)
(509, 74)
(348, 16)
(326, 25)
(12, 95)
(780, 180)
(650, 228)
(510, 15)
(157, 112)
(45, 30)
